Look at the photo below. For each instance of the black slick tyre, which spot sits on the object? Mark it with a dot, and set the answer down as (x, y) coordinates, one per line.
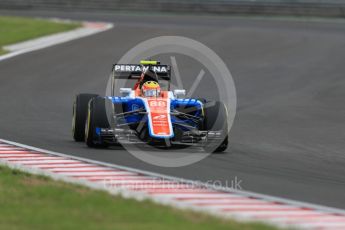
(96, 120)
(80, 107)
(216, 119)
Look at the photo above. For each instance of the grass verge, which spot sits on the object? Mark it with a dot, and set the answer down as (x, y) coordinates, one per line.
(36, 202)
(18, 29)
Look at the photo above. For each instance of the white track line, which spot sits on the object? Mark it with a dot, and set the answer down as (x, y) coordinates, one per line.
(87, 29)
(180, 193)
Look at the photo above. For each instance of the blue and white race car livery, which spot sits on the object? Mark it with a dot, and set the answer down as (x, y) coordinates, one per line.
(147, 111)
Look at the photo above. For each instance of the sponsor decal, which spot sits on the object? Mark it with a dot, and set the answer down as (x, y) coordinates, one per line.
(140, 68)
(135, 107)
(159, 117)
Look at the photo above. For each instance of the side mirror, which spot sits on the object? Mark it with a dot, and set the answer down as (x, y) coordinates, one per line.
(125, 92)
(178, 93)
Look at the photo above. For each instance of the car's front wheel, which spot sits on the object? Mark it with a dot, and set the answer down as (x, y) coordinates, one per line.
(216, 120)
(80, 107)
(96, 120)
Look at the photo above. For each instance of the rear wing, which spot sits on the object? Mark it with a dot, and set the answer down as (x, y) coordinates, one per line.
(133, 71)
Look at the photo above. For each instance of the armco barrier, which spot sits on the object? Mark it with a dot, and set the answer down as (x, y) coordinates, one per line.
(325, 8)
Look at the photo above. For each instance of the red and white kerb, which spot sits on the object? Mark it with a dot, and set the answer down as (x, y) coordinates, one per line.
(168, 191)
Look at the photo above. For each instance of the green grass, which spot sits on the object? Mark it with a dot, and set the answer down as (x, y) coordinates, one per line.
(18, 29)
(2, 51)
(36, 202)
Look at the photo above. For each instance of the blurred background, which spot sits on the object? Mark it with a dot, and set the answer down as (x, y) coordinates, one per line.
(329, 8)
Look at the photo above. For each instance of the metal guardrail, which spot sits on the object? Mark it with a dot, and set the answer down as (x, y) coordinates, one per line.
(327, 8)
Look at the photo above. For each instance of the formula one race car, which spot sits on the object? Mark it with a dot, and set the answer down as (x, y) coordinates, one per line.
(148, 113)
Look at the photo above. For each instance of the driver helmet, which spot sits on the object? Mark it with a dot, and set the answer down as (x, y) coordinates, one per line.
(151, 89)
(148, 75)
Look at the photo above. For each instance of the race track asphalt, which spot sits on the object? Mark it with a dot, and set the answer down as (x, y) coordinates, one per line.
(288, 138)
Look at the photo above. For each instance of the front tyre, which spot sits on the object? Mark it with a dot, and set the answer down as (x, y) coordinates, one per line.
(96, 120)
(80, 107)
(216, 120)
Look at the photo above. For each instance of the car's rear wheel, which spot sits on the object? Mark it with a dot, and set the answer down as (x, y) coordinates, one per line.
(96, 120)
(216, 119)
(80, 107)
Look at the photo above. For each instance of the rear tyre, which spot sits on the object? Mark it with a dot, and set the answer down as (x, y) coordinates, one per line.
(80, 106)
(96, 120)
(216, 119)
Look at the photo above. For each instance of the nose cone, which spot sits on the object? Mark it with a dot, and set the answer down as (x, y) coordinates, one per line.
(159, 121)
